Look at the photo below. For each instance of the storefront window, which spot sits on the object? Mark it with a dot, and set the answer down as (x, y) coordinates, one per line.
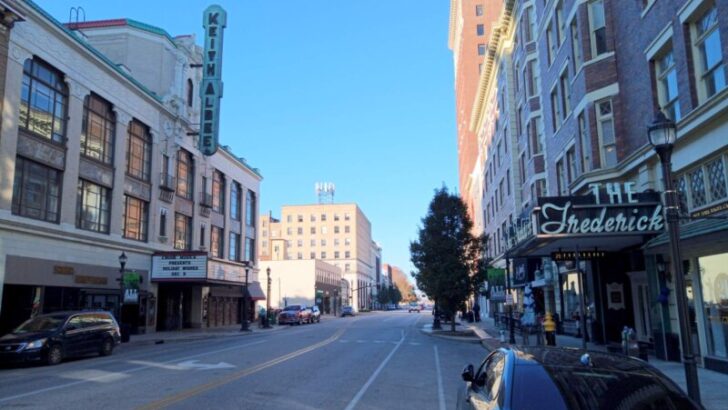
(714, 281)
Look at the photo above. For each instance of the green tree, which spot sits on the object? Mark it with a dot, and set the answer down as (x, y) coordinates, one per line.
(383, 296)
(395, 296)
(448, 258)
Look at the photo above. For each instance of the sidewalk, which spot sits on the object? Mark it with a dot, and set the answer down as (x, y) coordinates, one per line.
(713, 393)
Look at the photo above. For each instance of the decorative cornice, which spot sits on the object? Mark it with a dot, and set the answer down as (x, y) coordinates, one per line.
(453, 23)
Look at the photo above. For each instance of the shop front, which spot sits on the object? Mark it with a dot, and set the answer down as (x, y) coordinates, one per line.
(583, 252)
(704, 249)
(34, 286)
(196, 291)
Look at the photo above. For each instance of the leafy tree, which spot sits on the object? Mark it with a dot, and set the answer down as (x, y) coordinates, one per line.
(448, 258)
(383, 296)
(395, 296)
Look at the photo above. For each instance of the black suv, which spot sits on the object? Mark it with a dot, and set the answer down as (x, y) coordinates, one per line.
(52, 337)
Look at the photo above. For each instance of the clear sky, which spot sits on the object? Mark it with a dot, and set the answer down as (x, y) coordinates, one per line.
(354, 92)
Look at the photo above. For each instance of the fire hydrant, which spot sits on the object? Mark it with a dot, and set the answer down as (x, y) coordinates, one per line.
(549, 328)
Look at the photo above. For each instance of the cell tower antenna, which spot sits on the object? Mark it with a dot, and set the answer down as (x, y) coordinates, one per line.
(325, 192)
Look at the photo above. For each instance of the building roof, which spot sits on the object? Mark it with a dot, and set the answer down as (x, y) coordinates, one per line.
(121, 23)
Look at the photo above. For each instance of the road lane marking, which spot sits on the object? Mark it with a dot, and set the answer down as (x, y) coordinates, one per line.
(111, 375)
(374, 375)
(440, 394)
(184, 395)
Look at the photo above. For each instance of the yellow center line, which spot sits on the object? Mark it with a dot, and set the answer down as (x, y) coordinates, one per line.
(184, 395)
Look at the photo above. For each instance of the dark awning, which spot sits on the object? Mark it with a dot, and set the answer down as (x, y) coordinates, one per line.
(706, 235)
(544, 245)
(255, 292)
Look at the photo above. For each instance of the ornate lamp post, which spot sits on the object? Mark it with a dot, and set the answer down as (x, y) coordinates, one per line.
(507, 236)
(662, 135)
(244, 318)
(267, 302)
(122, 265)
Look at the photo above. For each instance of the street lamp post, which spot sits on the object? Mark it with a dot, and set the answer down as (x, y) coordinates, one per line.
(267, 302)
(508, 235)
(122, 265)
(662, 135)
(244, 318)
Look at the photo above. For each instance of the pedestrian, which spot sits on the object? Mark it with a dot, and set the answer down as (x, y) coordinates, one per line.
(261, 315)
(476, 311)
(549, 328)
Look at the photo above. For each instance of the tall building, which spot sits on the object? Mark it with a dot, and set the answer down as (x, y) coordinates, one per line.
(471, 22)
(339, 234)
(566, 93)
(99, 161)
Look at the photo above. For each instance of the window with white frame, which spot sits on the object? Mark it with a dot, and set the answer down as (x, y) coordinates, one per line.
(704, 185)
(481, 49)
(480, 30)
(708, 54)
(533, 86)
(575, 45)
(550, 44)
(560, 179)
(527, 26)
(571, 171)
(605, 130)
(560, 23)
(584, 143)
(565, 94)
(555, 109)
(597, 28)
(667, 91)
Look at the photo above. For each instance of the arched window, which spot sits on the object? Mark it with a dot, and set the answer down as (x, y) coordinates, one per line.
(43, 101)
(190, 92)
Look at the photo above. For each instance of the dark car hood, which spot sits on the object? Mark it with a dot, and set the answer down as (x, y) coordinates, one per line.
(24, 337)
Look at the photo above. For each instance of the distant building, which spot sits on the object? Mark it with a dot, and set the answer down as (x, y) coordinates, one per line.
(339, 234)
(304, 282)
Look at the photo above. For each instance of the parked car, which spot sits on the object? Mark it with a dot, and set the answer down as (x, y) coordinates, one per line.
(294, 315)
(413, 307)
(52, 337)
(315, 314)
(347, 311)
(562, 378)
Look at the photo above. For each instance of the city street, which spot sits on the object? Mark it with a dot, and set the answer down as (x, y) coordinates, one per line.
(372, 361)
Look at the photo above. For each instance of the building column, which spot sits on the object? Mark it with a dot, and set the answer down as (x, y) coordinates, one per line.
(76, 95)
(117, 193)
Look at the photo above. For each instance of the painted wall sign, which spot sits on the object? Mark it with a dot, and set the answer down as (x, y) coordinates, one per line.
(63, 270)
(179, 265)
(221, 271)
(589, 215)
(214, 21)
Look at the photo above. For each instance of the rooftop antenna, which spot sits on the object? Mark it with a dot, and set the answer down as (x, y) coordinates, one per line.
(78, 10)
(325, 192)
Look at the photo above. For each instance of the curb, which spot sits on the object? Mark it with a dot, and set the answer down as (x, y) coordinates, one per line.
(194, 338)
(455, 338)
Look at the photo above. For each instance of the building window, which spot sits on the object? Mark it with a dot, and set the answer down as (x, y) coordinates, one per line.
(560, 23)
(185, 174)
(97, 129)
(300, 255)
(481, 49)
(347, 216)
(550, 44)
(571, 171)
(337, 254)
(584, 143)
(336, 241)
(336, 229)
(522, 167)
(162, 222)
(182, 232)
(250, 249)
(313, 242)
(235, 190)
(190, 92)
(324, 230)
(233, 253)
(139, 151)
(565, 94)
(203, 230)
(218, 192)
(323, 242)
(289, 218)
(93, 207)
(299, 243)
(709, 65)
(704, 185)
(135, 218)
(713, 281)
(536, 144)
(527, 26)
(289, 230)
(347, 241)
(575, 46)
(323, 255)
(555, 109)
(216, 242)
(598, 28)
(299, 230)
(250, 208)
(605, 129)
(323, 217)
(347, 229)
(666, 75)
(508, 182)
(533, 79)
(347, 254)
(43, 101)
(36, 191)
(300, 218)
(480, 29)
(478, 9)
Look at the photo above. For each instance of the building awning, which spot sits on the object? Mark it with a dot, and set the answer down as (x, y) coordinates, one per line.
(544, 245)
(255, 292)
(707, 236)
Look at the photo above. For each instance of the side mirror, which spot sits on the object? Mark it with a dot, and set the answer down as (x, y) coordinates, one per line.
(468, 373)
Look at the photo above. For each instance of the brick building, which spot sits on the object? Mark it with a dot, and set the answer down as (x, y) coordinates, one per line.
(567, 91)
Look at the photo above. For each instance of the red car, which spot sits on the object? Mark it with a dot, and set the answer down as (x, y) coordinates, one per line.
(294, 314)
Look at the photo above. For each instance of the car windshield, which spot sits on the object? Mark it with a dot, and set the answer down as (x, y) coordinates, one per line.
(40, 324)
(593, 388)
(293, 307)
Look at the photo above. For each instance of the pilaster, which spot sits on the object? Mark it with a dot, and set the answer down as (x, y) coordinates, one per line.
(76, 94)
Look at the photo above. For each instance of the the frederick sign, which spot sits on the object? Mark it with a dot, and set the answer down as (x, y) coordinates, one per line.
(214, 21)
(617, 210)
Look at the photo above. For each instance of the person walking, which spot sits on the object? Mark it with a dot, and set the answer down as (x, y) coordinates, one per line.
(476, 311)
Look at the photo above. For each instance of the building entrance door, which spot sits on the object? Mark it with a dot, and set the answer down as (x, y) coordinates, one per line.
(641, 303)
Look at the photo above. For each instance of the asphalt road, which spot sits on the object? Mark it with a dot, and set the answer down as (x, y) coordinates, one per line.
(373, 361)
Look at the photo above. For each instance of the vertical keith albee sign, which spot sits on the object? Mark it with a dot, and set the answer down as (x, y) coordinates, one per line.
(214, 21)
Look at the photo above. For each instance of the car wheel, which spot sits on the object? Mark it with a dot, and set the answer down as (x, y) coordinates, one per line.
(107, 347)
(54, 355)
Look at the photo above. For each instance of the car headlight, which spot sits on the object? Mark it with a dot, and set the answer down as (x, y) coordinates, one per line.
(36, 344)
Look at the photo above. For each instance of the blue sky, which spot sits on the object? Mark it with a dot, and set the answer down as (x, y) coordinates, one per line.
(355, 92)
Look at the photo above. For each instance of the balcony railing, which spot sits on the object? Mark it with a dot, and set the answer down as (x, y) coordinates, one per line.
(167, 182)
(205, 200)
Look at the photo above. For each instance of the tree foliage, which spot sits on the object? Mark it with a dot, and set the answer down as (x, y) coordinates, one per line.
(448, 258)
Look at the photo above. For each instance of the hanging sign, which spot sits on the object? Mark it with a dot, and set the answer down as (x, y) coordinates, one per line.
(131, 281)
(610, 213)
(214, 21)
